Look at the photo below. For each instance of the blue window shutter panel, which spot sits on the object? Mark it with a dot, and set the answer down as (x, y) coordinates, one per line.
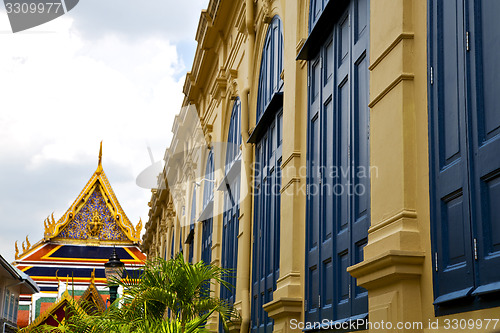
(208, 193)
(172, 246)
(485, 73)
(192, 223)
(230, 223)
(452, 234)
(337, 223)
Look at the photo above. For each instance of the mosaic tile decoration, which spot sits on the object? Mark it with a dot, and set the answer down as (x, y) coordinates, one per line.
(77, 228)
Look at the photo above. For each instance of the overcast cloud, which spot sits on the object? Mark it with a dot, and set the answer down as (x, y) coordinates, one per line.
(108, 70)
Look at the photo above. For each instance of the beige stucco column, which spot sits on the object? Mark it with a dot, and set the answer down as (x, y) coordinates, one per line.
(393, 259)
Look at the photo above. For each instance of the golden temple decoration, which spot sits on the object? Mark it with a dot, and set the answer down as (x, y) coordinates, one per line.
(17, 252)
(92, 277)
(24, 247)
(28, 245)
(138, 228)
(50, 226)
(95, 224)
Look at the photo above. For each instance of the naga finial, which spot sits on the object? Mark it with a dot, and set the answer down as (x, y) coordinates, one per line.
(28, 244)
(138, 228)
(17, 251)
(49, 226)
(24, 247)
(92, 277)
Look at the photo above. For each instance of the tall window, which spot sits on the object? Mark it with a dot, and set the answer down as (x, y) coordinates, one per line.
(338, 193)
(267, 136)
(172, 244)
(231, 187)
(6, 304)
(464, 150)
(208, 197)
(192, 224)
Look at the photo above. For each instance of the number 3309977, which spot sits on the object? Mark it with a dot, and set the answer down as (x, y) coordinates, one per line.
(32, 8)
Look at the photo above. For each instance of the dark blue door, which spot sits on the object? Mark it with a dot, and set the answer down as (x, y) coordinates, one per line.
(464, 151)
(338, 168)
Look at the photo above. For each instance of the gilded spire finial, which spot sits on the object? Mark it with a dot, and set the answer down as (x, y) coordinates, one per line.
(99, 165)
(28, 245)
(92, 277)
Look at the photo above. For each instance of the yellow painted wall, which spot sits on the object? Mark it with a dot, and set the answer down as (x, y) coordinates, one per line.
(397, 266)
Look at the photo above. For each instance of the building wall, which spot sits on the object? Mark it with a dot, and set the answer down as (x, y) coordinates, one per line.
(9, 297)
(397, 263)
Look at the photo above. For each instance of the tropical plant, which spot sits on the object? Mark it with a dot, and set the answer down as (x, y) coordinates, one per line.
(171, 296)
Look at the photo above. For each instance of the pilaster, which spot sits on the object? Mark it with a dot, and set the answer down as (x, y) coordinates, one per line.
(394, 258)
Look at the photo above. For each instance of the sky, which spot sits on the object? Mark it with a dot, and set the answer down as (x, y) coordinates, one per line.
(109, 70)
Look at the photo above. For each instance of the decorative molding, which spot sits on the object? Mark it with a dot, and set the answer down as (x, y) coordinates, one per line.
(389, 267)
(392, 85)
(293, 155)
(405, 213)
(290, 182)
(395, 42)
(284, 307)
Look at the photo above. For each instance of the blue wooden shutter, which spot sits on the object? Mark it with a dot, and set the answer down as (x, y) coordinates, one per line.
(449, 161)
(208, 193)
(314, 213)
(230, 223)
(266, 231)
(338, 148)
(172, 245)
(485, 74)
(192, 223)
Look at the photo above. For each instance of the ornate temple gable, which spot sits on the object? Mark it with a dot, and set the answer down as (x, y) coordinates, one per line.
(95, 215)
(94, 221)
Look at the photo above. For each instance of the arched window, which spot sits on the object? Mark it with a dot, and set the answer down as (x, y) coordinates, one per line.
(208, 195)
(268, 142)
(271, 66)
(234, 136)
(231, 187)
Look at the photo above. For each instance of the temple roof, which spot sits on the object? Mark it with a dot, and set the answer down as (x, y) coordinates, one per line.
(91, 301)
(95, 218)
(55, 314)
